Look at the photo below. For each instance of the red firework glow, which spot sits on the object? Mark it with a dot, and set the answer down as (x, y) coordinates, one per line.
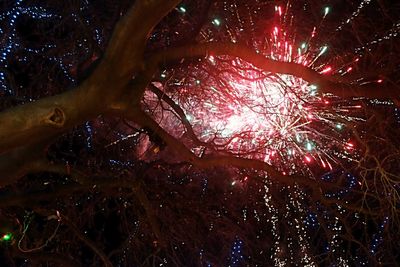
(276, 118)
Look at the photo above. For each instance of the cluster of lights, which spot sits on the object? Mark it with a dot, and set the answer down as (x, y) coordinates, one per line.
(11, 41)
(355, 14)
(236, 257)
(352, 182)
(397, 114)
(273, 213)
(377, 238)
(390, 34)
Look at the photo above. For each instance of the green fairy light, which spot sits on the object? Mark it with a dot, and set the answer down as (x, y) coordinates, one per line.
(6, 237)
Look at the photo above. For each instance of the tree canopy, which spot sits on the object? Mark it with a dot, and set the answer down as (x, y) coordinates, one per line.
(199, 133)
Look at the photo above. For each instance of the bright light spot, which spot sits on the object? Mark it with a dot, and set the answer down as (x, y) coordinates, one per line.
(309, 146)
(212, 59)
(6, 237)
(327, 9)
(308, 159)
(350, 145)
(280, 11)
(216, 22)
(326, 70)
(314, 31)
(339, 126)
(303, 46)
(189, 118)
(323, 50)
(313, 89)
(182, 9)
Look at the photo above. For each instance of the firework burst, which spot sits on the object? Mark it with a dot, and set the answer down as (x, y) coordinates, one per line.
(277, 118)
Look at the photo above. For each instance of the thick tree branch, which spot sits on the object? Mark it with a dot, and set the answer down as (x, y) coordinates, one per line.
(219, 160)
(47, 118)
(179, 111)
(125, 51)
(325, 84)
(43, 119)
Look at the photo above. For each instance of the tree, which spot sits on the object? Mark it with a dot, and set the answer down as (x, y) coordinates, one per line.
(199, 133)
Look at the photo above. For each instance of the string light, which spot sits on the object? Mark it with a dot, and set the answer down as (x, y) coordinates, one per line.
(6, 237)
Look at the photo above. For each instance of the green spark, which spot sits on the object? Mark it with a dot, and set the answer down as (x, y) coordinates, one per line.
(216, 22)
(323, 49)
(309, 146)
(327, 9)
(6, 237)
